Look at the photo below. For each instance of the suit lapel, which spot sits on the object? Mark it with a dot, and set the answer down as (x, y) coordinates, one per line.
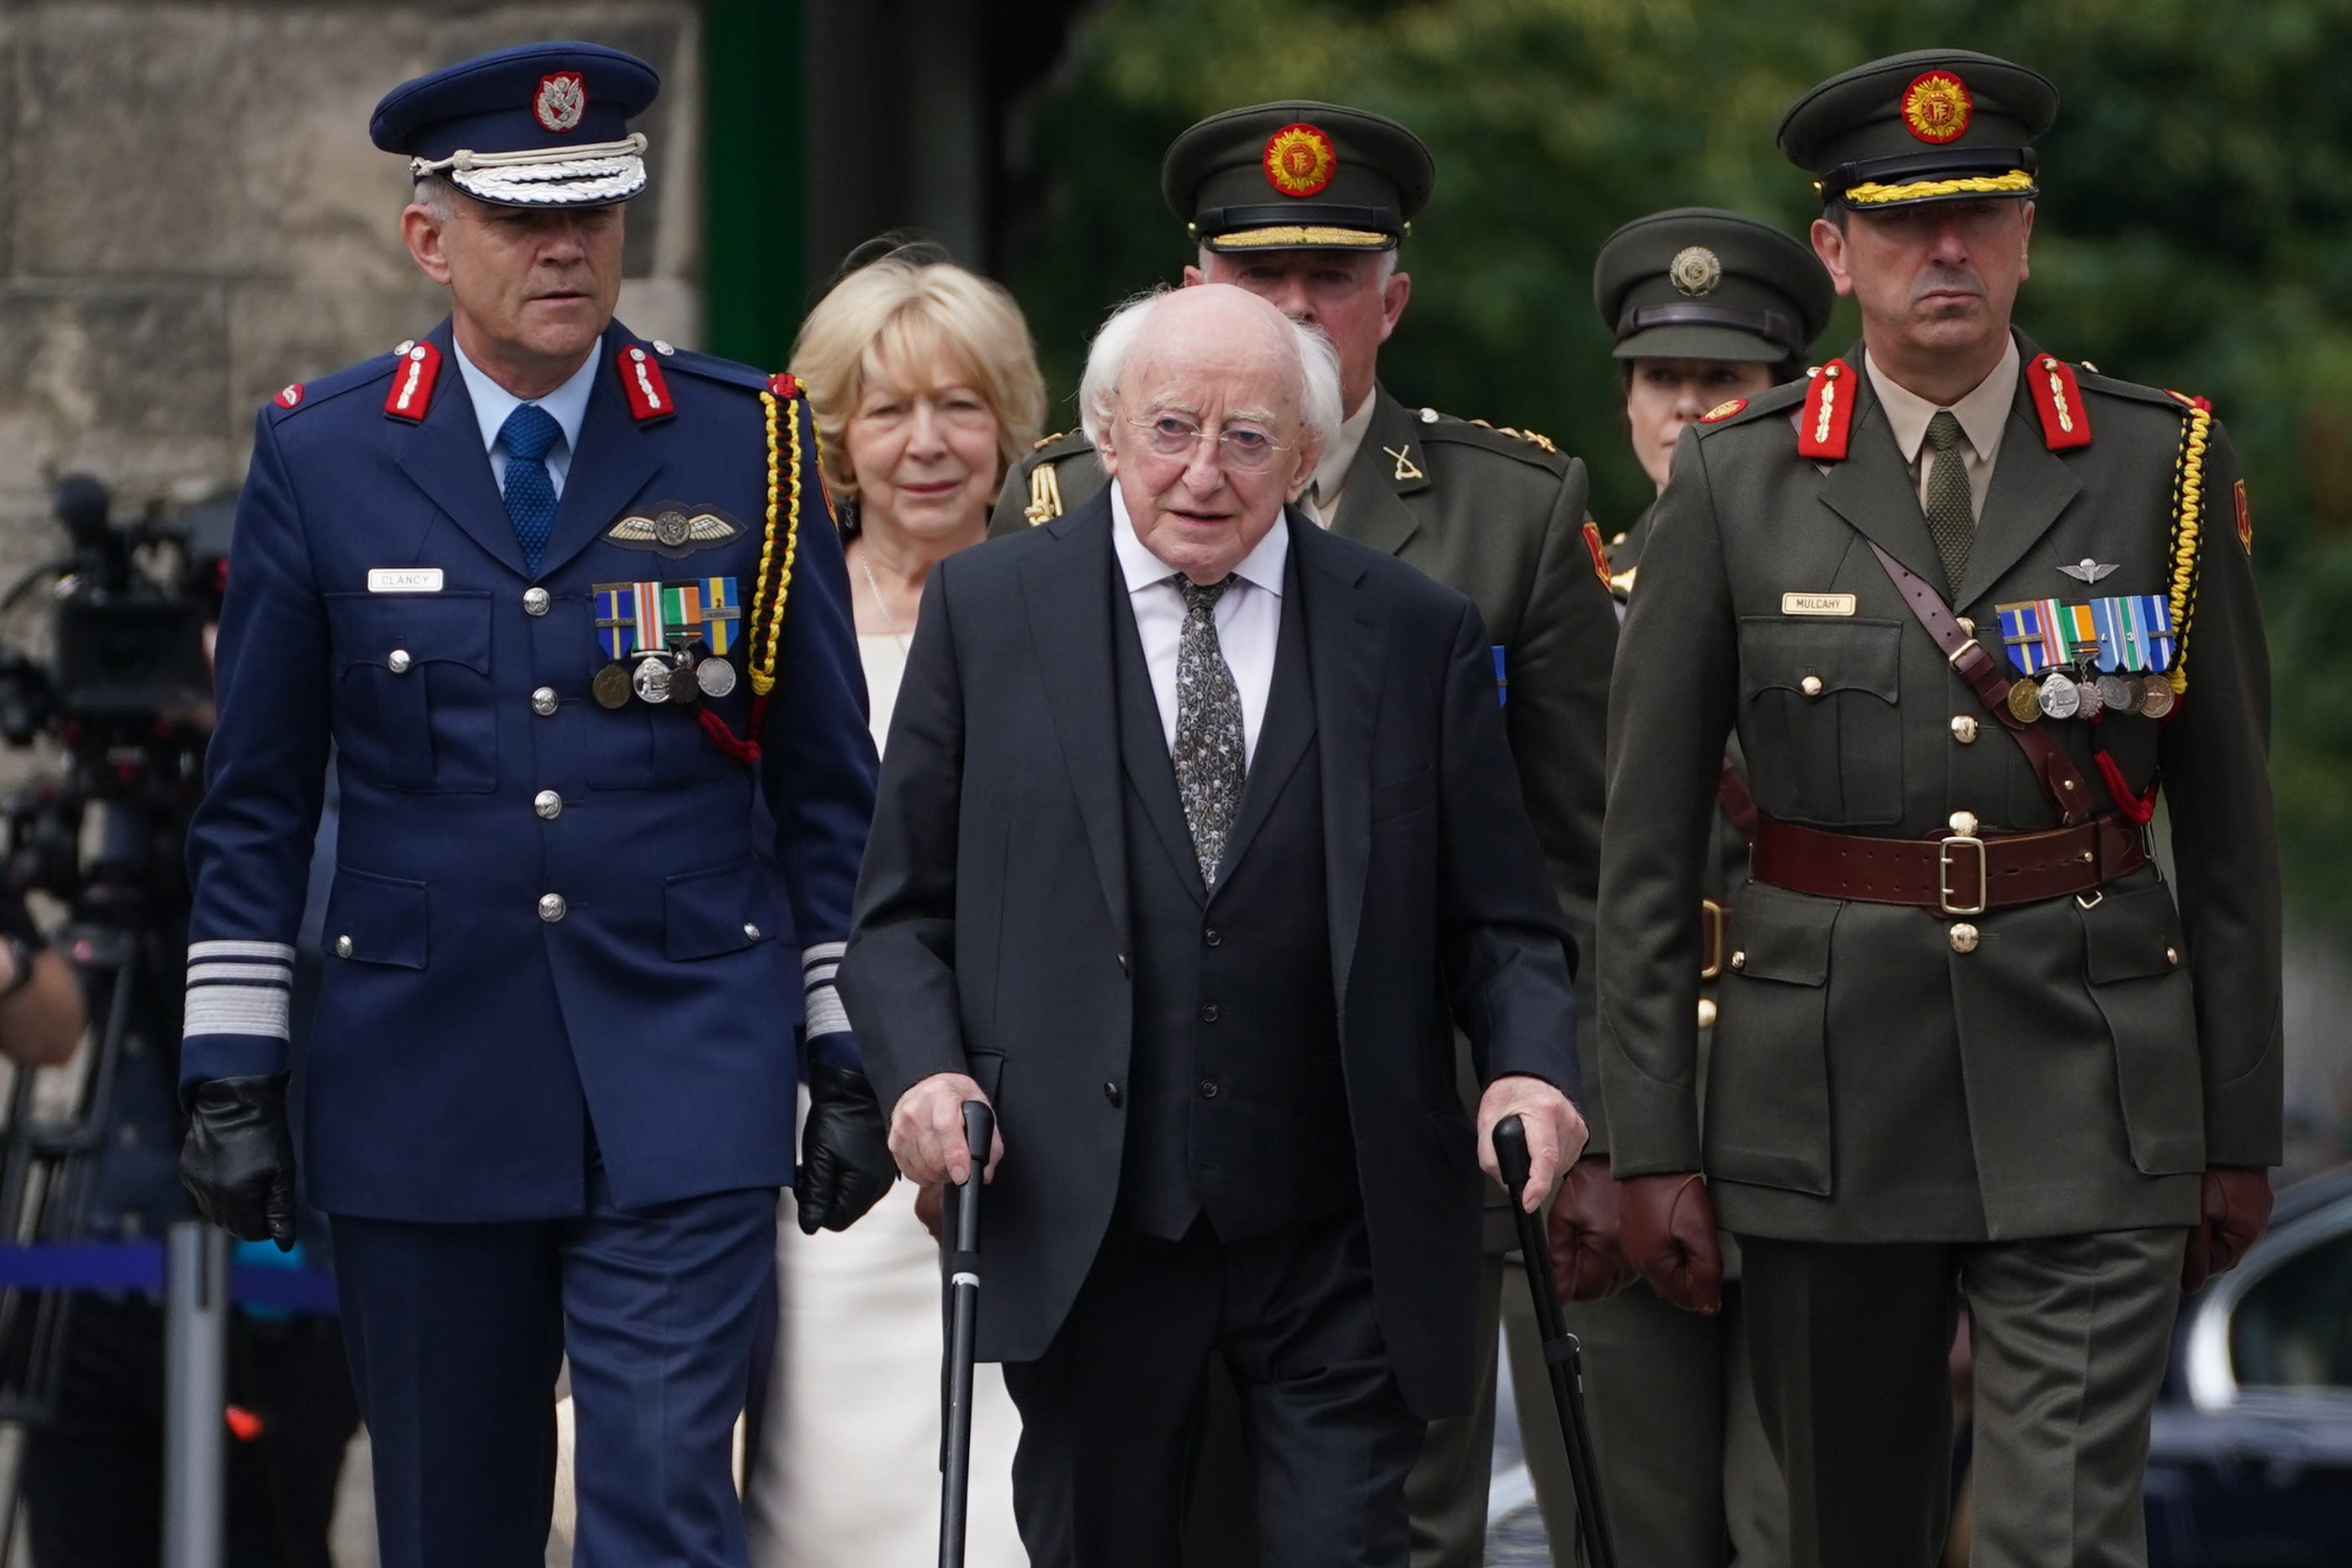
(1289, 722)
(1387, 468)
(616, 459)
(444, 453)
(1068, 590)
(1873, 488)
(2032, 486)
(1346, 648)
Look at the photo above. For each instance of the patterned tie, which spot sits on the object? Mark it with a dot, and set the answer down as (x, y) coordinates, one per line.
(1950, 517)
(530, 433)
(1210, 756)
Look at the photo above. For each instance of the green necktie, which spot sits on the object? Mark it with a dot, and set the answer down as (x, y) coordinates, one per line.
(1950, 517)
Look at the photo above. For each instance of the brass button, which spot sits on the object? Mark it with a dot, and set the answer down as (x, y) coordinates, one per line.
(542, 700)
(398, 661)
(1810, 686)
(1706, 1012)
(548, 803)
(1964, 937)
(343, 947)
(552, 906)
(1964, 729)
(534, 601)
(1964, 823)
(2172, 956)
(1739, 961)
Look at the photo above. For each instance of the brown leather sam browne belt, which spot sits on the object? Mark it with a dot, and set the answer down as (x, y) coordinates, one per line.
(1960, 875)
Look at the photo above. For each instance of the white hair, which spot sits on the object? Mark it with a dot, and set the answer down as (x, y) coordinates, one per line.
(1317, 362)
(437, 193)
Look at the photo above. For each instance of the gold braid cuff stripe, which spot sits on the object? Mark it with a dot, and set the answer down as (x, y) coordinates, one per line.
(2016, 183)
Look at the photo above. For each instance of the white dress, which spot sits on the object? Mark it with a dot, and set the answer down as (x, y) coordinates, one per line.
(847, 1475)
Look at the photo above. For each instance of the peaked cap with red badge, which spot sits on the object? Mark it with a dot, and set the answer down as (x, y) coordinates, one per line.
(1933, 125)
(1298, 175)
(540, 125)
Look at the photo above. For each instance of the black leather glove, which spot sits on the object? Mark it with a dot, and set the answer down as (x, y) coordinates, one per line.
(846, 1164)
(238, 1161)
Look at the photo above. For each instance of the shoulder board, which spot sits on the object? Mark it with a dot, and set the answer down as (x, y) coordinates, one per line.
(2112, 386)
(296, 396)
(1745, 410)
(1525, 446)
(710, 367)
(1828, 420)
(2058, 403)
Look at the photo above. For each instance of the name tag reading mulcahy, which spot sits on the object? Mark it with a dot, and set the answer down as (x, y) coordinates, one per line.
(404, 580)
(1817, 603)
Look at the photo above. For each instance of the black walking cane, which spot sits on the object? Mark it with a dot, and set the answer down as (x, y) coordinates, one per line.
(1562, 1355)
(963, 1322)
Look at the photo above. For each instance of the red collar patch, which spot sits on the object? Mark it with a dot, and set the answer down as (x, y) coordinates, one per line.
(289, 394)
(1600, 556)
(412, 378)
(2058, 399)
(642, 383)
(1823, 428)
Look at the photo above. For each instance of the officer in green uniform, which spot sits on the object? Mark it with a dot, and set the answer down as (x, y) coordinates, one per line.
(1707, 306)
(1306, 203)
(1966, 604)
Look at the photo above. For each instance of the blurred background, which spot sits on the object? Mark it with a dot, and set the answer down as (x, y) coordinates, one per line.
(191, 216)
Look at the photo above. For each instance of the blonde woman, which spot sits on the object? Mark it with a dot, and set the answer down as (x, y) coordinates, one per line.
(925, 388)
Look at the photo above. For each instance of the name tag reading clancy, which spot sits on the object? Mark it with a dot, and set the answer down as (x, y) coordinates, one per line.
(1817, 603)
(403, 580)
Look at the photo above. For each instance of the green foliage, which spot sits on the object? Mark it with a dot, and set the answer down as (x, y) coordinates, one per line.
(2192, 232)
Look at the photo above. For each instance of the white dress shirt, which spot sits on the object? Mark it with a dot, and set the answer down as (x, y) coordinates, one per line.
(1248, 615)
(1983, 415)
(1321, 501)
(567, 403)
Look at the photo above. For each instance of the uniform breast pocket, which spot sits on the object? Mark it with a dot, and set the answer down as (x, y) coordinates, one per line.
(415, 705)
(1822, 724)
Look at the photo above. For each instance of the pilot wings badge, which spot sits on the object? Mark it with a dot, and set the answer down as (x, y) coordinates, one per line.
(2087, 570)
(672, 531)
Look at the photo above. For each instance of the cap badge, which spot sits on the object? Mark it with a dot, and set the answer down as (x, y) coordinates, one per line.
(1299, 160)
(1936, 107)
(1695, 270)
(563, 100)
(1723, 411)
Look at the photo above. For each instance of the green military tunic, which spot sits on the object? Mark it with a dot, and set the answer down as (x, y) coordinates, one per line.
(1875, 1077)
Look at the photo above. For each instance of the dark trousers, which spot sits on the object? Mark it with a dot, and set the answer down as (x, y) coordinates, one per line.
(457, 1333)
(93, 1475)
(1850, 1345)
(1110, 1415)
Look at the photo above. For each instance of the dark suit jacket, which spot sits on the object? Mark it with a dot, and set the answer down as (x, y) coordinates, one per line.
(992, 926)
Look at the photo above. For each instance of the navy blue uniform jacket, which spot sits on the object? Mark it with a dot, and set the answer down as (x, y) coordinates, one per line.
(466, 1042)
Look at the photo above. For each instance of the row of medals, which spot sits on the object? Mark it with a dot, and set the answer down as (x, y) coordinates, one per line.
(678, 674)
(2079, 694)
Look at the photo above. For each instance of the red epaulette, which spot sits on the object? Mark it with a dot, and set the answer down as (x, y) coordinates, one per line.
(1829, 413)
(1594, 548)
(784, 386)
(411, 393)
(289, 396)
(2058, 399)
(641, 379)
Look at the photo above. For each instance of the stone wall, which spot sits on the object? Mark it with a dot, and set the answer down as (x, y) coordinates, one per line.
(191, 215)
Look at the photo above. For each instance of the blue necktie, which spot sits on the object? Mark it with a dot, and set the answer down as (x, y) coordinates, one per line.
(530, 433)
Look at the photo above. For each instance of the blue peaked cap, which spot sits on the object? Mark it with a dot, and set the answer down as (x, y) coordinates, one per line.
(536, 125)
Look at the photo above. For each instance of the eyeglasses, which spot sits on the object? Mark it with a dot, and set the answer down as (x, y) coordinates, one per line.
(1240, 448)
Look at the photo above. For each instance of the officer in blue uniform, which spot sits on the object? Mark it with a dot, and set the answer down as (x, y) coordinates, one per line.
(563, 601)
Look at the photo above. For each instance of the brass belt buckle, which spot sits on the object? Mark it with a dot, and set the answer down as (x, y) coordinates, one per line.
(1946, 900)
(1714, 921)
